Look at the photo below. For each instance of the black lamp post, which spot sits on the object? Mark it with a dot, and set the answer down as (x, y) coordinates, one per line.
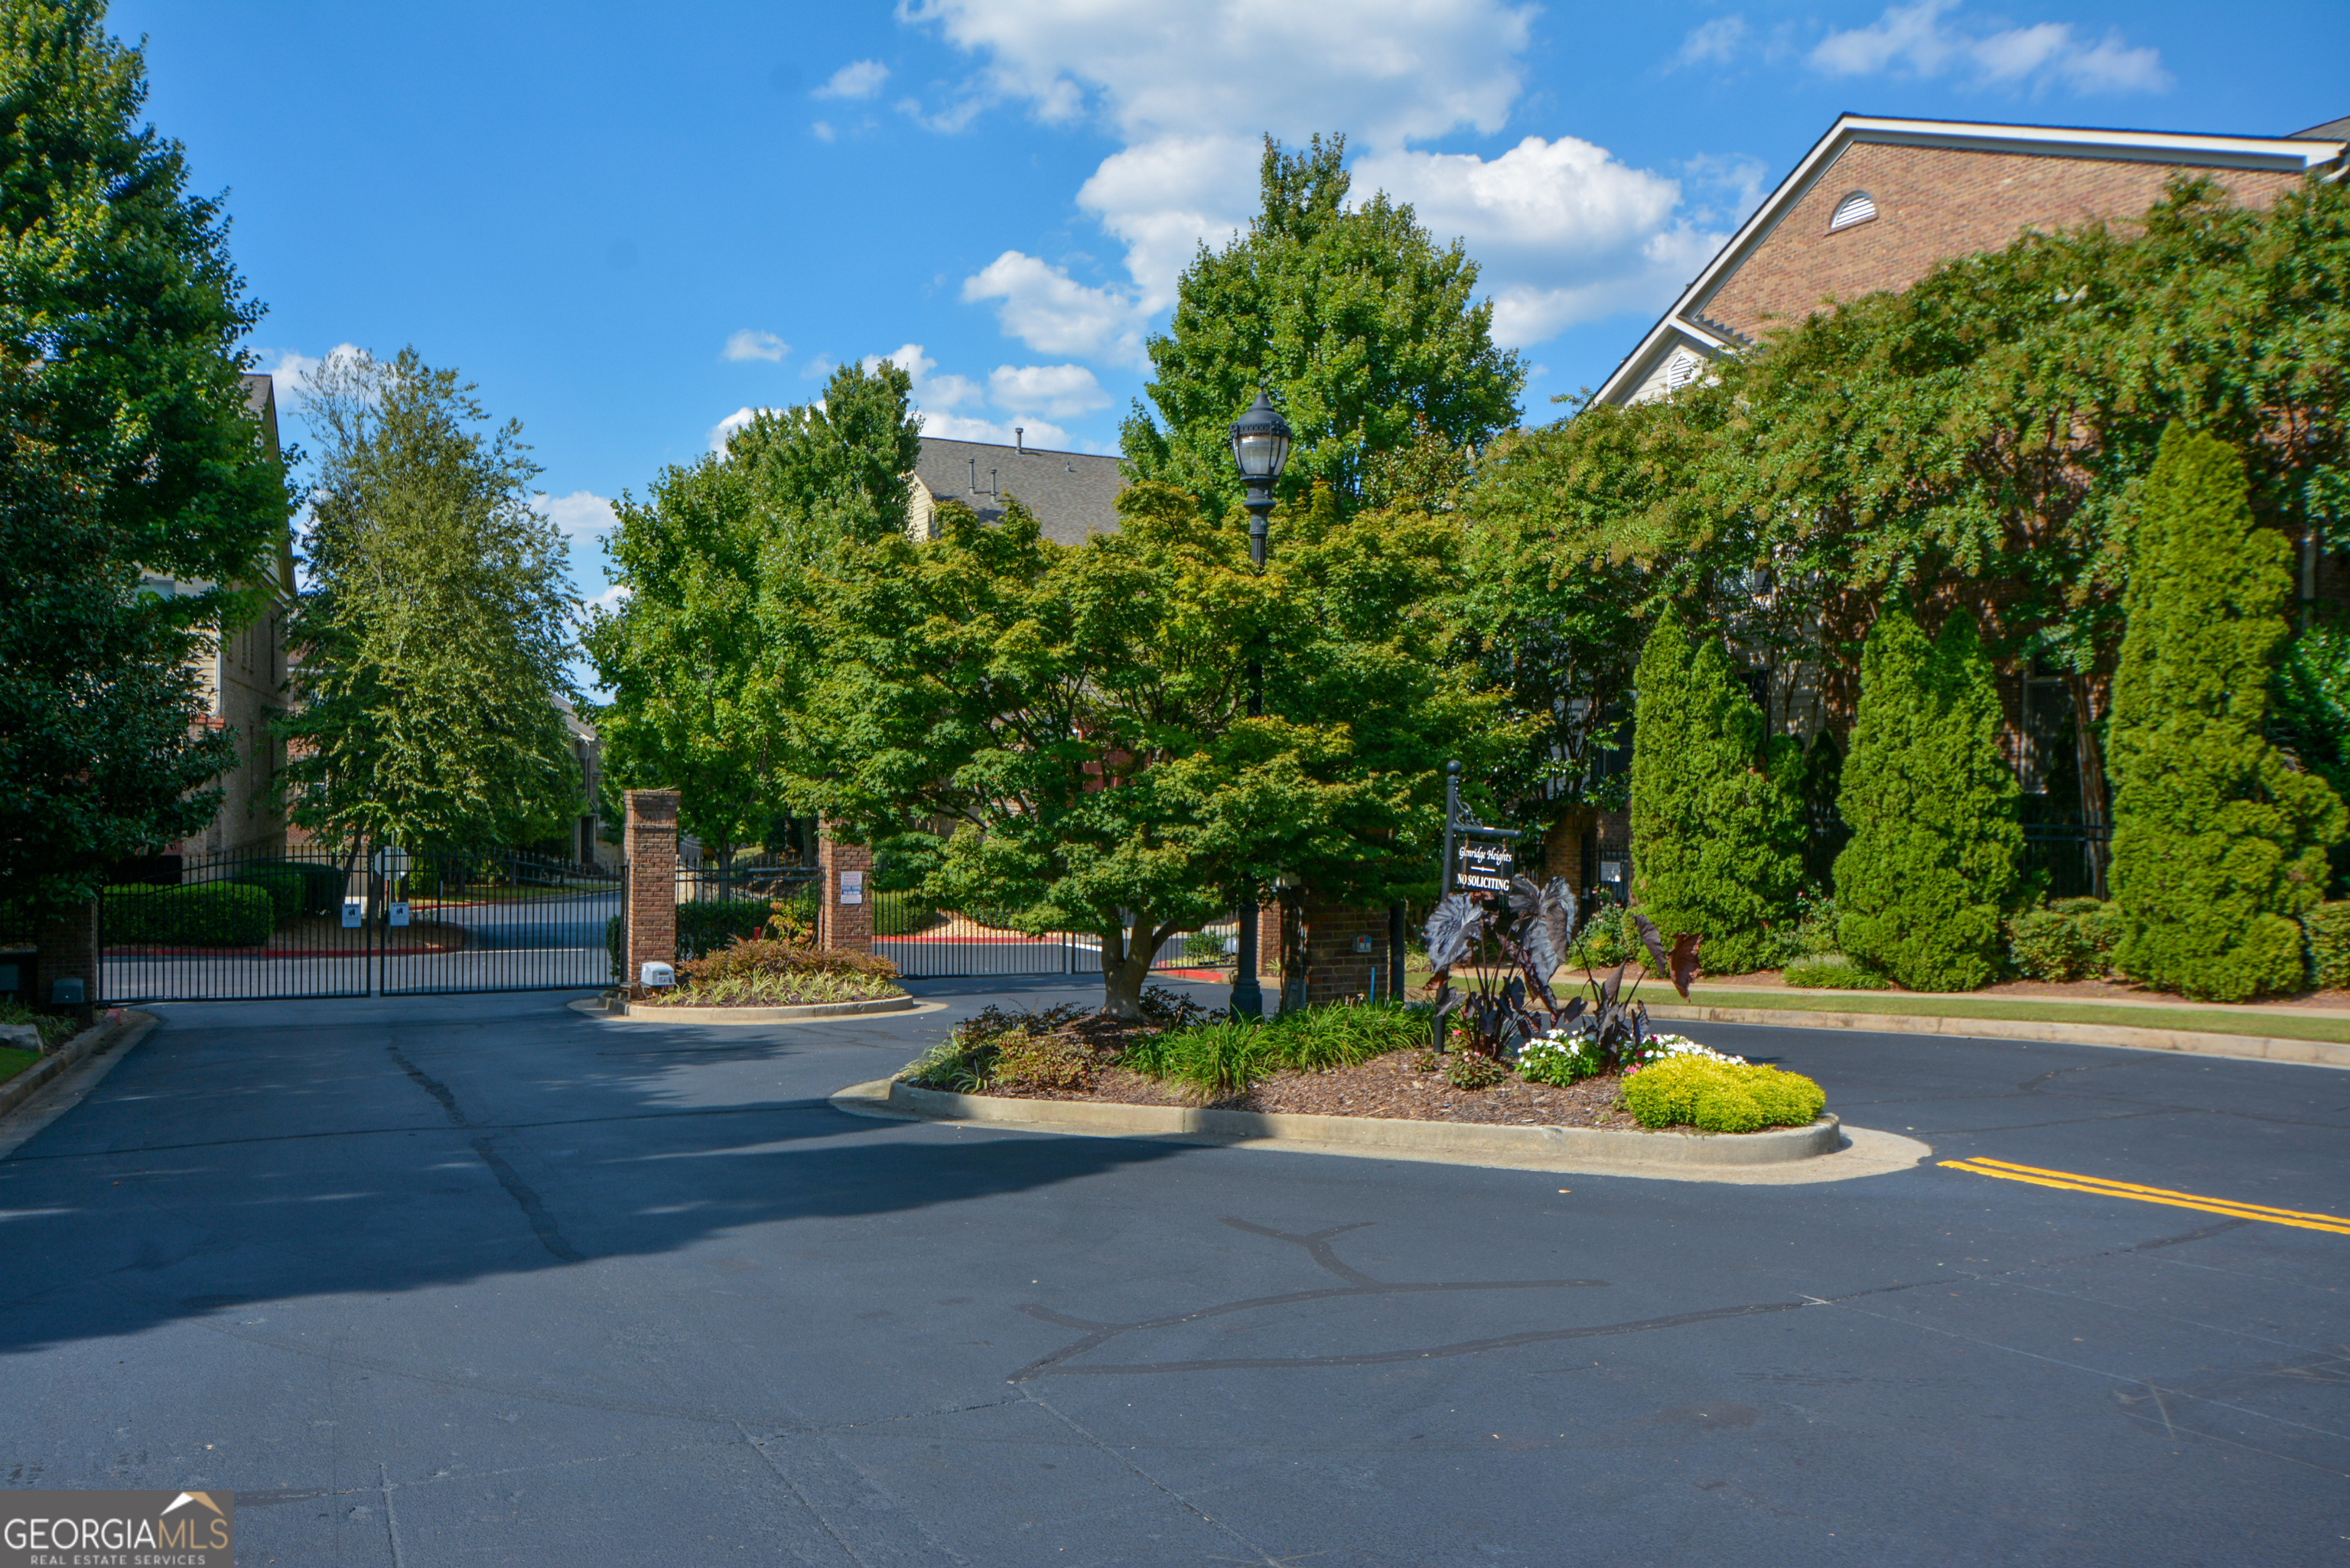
(1261, 447)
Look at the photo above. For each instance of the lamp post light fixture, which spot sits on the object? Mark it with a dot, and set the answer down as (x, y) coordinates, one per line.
(1261, 447)
(1260, 439)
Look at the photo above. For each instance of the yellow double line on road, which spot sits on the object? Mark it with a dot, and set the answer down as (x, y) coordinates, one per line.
(2072, 1182)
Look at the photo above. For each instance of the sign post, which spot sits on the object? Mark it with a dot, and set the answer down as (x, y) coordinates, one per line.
(1475, 856)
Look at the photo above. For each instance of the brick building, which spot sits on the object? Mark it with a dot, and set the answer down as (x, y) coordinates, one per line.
(1872, 207)
(243, 675)
(1876, 202)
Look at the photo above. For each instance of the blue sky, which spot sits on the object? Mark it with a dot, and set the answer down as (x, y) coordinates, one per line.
(629, 224)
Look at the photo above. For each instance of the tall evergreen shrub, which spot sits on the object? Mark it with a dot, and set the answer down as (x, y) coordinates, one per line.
(2218, 843)
(1930, 872)
(1717, 815)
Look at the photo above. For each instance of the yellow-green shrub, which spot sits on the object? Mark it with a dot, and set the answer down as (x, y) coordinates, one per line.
(1720, 1096)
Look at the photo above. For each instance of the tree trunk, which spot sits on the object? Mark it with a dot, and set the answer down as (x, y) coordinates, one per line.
(2092, 762)
(1126, 966)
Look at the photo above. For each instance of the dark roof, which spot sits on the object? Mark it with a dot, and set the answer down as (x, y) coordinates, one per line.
(2331, 131)
(1073, 494)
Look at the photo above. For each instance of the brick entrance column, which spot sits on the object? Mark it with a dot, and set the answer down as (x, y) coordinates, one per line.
(847, 874)
(1343, 945)
(651, 839)
(69, 944)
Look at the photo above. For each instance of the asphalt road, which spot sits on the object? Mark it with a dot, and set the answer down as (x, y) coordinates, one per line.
(483, 1280)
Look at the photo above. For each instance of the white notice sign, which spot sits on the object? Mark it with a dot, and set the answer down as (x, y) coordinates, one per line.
(1483, 866)
(852, 886)
(400, 913)
(354, 912)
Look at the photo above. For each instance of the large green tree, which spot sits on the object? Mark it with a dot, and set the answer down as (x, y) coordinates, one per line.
(1978, 439)
(1716, 810)
(714, 639)
(1359, 326)
(431, 639)
(1929, 876)
(2218, 843)
(1078, 716)
(132, 453)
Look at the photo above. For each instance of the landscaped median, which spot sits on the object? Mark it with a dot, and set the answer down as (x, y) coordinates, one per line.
(2261, 1033)
(1364, 1080)
(756, 981)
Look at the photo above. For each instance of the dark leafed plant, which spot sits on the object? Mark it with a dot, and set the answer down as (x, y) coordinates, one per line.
(1508, 946)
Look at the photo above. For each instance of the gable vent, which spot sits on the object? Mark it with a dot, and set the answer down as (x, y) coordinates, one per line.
(1681, 369)
(1856, 208)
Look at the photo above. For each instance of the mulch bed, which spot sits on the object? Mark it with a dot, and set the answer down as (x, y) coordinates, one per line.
(1388, 1086)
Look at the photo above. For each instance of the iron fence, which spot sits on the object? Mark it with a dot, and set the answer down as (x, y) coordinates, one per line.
(266, 925)
(2065, 859)
(929, 942)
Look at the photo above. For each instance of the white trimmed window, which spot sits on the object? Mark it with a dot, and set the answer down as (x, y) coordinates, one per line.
(1856, 208)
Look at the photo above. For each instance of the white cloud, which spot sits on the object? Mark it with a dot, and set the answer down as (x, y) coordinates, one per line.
(1064, 390)
(824, 132)
(748, 344)
(962, 427)
(1053, 313)
(858, 79)
(935, 392)
(1914, 40)
(294, 367)
(732, 423)
(1717, 42)
(1172, 81)
(581, 513)
(1563, 229)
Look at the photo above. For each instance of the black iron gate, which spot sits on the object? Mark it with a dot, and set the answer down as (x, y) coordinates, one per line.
(372, 921)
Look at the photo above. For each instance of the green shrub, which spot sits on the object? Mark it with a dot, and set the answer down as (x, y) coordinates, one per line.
(322, 883)
(1832, 971)
(1718, 829)
(1041, 1061)
(2219, 843)
(1204, 947)
(55, 1028)
(1473, 1071)
(2328, 926)
(2072, 939)
(202, 914)
(1557, 1059)
(1720, 1096)
(1931, 870)
(1605, 941)
(747, 956)
(965, 1062)
(615, 936)
(707, 925)
(285, 890)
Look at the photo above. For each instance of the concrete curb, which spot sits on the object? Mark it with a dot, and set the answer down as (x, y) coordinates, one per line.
(639, 1014)
(2248, 1047)
(100, 1037)
(1824, 1151)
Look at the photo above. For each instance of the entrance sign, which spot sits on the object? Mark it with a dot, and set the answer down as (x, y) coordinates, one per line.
(852, 886)
(354, 913)
(1475, 856)
(400, 913)
(1483, 866)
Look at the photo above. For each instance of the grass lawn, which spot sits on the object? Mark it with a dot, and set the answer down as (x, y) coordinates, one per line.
(2278, 1022)
(2275, 1022)
(13, 1061)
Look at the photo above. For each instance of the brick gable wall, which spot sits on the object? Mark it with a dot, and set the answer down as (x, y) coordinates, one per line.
(1933, 204)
